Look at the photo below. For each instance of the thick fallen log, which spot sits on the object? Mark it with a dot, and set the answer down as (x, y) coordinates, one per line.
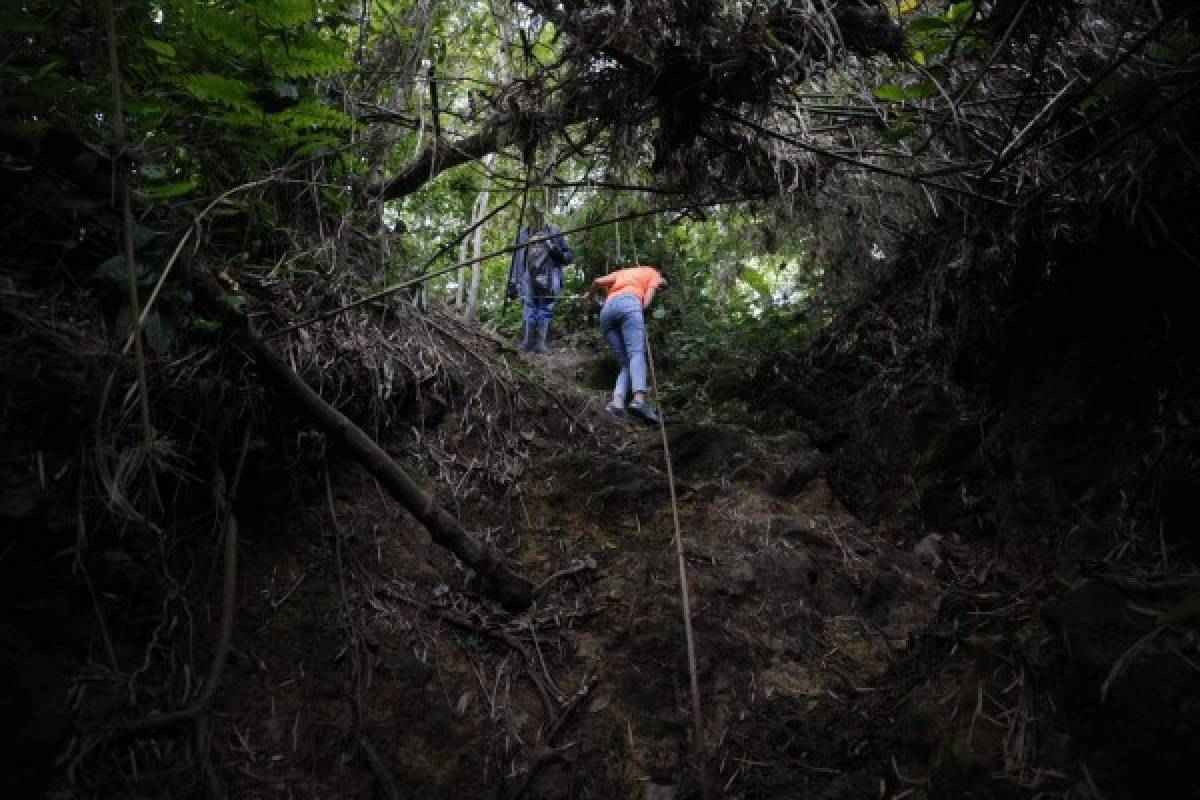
(512, 591)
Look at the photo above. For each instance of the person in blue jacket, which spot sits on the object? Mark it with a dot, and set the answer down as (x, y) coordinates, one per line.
(536, 276)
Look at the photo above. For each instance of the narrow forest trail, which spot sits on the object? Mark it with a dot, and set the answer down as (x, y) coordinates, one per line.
(829, 663)
(798, 608)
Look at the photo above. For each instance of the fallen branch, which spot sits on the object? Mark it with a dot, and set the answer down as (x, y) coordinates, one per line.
(586, 564)
(512, 591)
(470, 625)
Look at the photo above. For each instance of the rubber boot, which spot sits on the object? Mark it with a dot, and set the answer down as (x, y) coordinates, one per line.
(543, 328)
(525, 337)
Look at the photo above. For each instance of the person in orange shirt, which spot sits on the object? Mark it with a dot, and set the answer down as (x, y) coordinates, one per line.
(629, 293)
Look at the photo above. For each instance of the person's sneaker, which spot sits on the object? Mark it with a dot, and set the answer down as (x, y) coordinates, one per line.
(615, 410)
(643, 410)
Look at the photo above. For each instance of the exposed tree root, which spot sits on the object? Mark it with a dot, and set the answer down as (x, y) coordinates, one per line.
(223, 494)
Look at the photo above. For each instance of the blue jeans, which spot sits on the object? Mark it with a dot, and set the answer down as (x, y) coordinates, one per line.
(539, 310)
(540, 307)
(625, 329)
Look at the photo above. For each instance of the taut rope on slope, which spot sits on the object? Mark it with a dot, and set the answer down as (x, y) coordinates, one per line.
(697, 719)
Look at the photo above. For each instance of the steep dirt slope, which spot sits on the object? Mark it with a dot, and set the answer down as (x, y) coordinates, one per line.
(835, 659)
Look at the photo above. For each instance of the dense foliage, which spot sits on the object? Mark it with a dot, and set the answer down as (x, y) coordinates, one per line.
(941, 235)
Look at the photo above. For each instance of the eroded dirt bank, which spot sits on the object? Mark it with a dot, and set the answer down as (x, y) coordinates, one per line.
(836, 659)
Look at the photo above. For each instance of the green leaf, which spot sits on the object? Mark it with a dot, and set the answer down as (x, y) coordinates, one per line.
(755, 280)
(162, 48)
(1104, 92)
(318, 143)
(168, 190)
(891, 92)
(244, 119)
(937, 46)
(228, 92)
(232, 30)
(896, 93)
(959, 13)
(285, 14)
(310, 114)
(205, 325)
(306, 57)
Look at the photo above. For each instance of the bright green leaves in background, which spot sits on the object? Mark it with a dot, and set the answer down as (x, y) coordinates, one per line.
(215, 94)
(233, 86)
(221, 94)
(256, 64)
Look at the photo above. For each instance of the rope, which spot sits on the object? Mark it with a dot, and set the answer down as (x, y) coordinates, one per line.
(697, 719)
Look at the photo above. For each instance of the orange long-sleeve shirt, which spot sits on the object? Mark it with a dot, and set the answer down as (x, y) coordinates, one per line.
(633, 280)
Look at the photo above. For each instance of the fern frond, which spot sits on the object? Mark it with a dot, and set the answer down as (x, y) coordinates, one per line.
(224, 91)
(246, 119)
(311, 57)
(315, 143)
(286, 14)
(310, 114)
(233, 30)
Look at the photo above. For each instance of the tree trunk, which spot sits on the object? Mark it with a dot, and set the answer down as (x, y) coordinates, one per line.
(460, 291)
(481, 206)
(512, 591)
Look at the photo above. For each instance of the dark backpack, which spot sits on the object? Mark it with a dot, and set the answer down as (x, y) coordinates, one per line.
(539, 260)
